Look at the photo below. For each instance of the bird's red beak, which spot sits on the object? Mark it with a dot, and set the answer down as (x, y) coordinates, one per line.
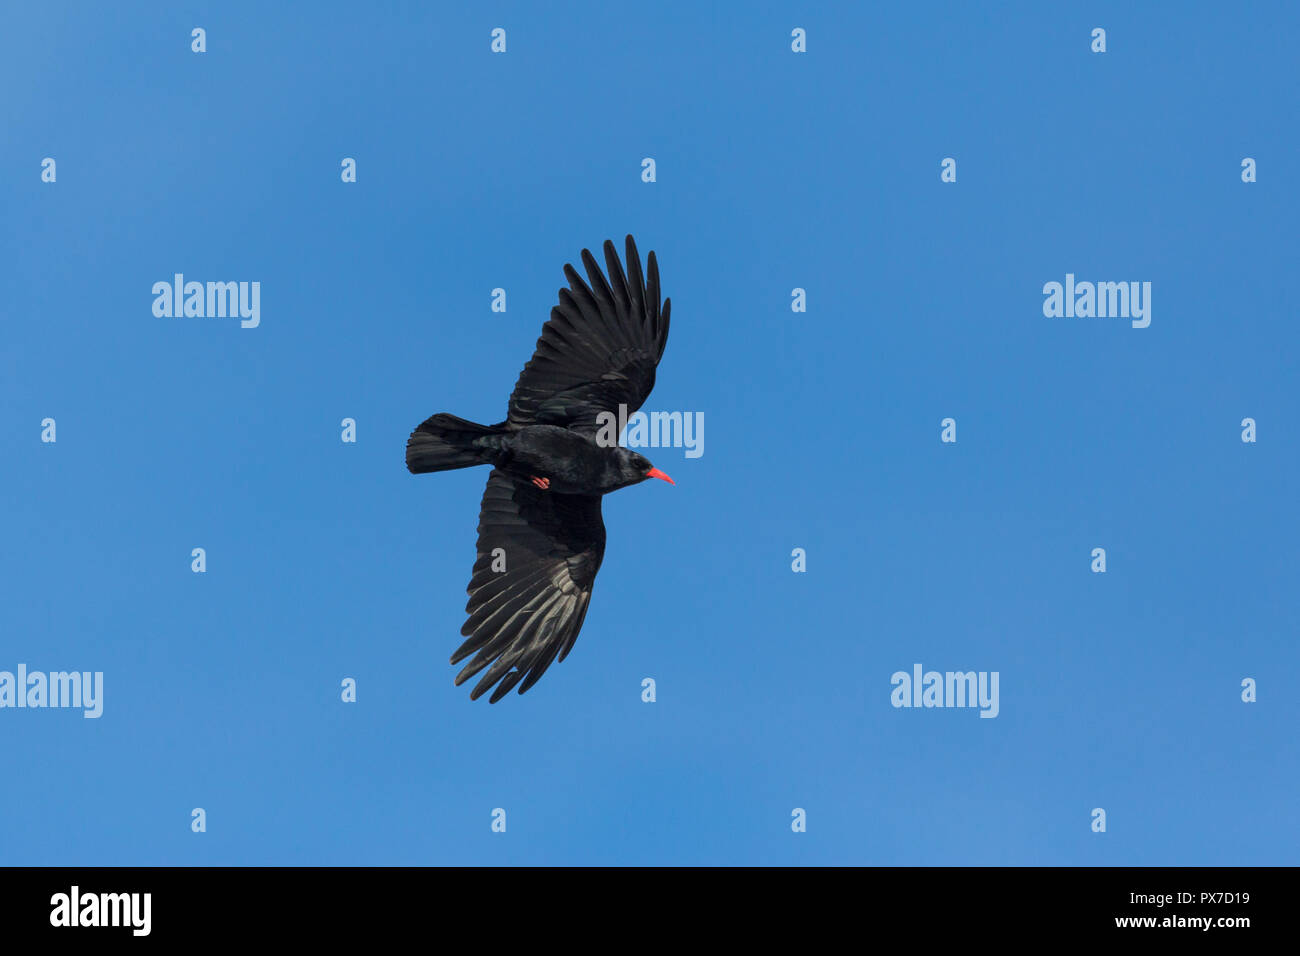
(656, 473)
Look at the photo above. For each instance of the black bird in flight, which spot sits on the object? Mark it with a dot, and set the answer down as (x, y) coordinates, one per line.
(540, 534)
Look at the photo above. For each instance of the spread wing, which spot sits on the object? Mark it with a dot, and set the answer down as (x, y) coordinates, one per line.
(523, 617)
(600, 347)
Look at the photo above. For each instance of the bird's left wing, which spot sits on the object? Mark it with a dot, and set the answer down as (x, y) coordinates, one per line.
(600, 347)
(538, 554)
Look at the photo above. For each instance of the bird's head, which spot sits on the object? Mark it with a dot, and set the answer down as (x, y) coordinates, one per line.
(636, 468)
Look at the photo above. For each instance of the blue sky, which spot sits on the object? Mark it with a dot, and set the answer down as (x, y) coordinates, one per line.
(775, 170)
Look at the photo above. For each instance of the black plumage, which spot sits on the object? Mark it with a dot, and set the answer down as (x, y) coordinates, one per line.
(541, 537)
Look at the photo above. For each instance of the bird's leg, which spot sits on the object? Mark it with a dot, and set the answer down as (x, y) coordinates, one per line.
(542, 483)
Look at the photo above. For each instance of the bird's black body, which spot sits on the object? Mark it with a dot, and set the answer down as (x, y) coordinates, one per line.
(573, 462)
(541, 537)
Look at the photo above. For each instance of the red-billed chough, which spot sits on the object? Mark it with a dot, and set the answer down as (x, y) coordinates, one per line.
(540, 534)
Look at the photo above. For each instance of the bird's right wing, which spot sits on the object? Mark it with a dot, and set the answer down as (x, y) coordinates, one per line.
(546, 549)
(600, 347)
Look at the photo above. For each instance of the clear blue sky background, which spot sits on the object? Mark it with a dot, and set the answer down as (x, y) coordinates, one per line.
(325, 560)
